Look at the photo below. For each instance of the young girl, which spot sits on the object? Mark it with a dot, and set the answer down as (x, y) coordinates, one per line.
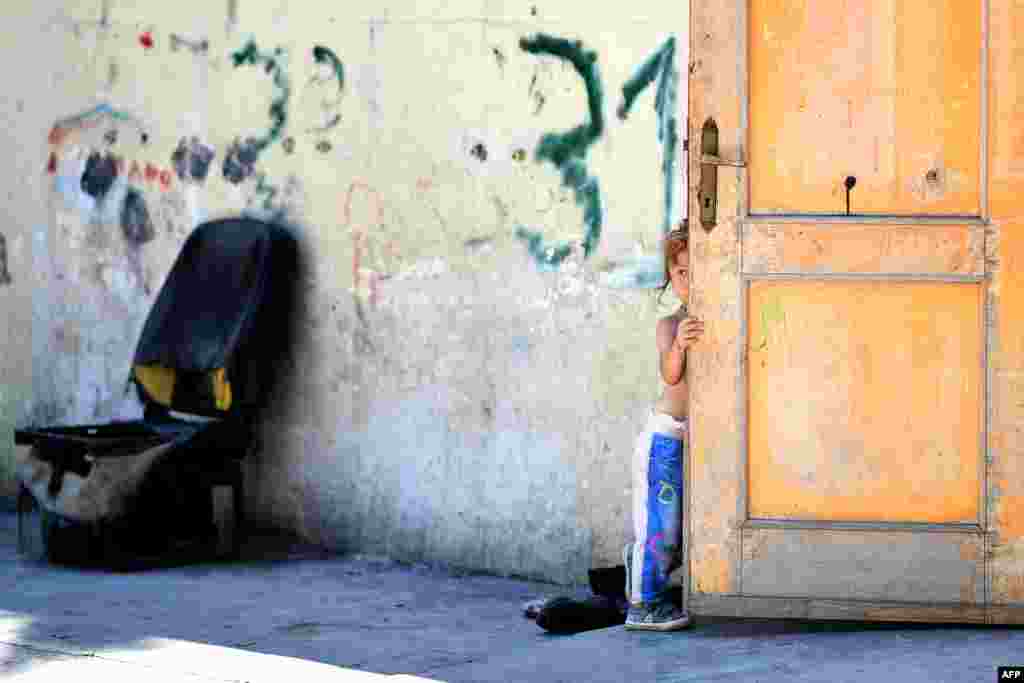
(658, 463)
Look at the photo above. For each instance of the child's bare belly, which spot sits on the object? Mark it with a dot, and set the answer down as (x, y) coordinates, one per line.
(675, 401)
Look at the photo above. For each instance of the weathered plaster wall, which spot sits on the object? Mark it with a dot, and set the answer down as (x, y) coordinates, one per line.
(24, 111)
(480, 199)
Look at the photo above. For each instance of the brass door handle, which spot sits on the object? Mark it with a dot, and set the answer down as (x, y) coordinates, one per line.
(707, 195)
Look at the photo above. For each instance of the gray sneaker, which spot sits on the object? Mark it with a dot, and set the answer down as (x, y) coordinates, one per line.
(656, 616)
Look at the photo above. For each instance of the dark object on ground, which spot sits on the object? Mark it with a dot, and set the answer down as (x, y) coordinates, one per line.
(607, 607)
(609, 582)
(566, 615)
(168, 488)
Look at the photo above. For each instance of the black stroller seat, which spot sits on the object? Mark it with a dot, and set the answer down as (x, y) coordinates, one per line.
(170, 486)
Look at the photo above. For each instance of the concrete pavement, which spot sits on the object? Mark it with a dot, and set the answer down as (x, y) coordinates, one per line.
(319, 618)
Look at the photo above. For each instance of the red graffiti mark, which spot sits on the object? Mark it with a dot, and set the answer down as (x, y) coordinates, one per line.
(360, 233)
(57, 135)
(357, 251)
(146, 40)
(135, 171)
(374, 279)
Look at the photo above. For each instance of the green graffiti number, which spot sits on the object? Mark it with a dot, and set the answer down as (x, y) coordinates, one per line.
(272, 63)
(568, 152)
(268, 191)
(325, 56)
(660, 66)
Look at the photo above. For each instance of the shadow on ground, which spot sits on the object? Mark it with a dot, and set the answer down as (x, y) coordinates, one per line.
(282, 598)
(373, 615)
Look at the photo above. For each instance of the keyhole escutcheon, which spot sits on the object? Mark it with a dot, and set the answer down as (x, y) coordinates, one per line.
(708, 193)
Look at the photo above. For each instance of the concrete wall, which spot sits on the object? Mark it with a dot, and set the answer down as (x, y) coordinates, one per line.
(466, 389)
(24, 111)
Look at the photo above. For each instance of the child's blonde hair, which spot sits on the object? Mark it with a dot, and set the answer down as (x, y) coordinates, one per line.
(675, 241)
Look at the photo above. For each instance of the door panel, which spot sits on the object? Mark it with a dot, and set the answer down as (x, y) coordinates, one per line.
(824, 608)
(885, 91)
(864, 400)
(876, 566)
(863, 248)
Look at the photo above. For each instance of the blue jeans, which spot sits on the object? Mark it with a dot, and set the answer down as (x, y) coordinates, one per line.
(657, 507)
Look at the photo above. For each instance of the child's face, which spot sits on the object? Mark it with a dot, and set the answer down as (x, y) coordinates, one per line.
(679, 275)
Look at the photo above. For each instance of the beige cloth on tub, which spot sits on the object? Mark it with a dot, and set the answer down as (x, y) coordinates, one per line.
(102, 495)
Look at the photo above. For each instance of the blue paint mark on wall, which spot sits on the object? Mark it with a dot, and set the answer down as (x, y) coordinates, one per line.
(191, 159)
(99, 176)
(642, 272)
(135, 219)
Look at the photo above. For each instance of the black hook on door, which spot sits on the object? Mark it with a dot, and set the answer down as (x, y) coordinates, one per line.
(850, 182)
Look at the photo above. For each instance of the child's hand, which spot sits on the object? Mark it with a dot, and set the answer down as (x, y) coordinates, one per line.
(688, 332)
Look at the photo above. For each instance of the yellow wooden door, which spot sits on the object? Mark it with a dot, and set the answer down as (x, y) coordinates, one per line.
(844, 261)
